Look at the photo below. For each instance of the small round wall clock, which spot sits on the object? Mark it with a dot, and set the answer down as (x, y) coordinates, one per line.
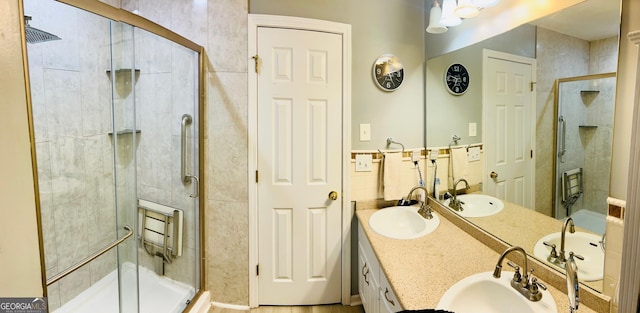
(456, 77)
(388, 72)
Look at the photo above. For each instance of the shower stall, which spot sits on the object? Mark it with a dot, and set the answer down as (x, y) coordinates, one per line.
(116, 125)
(584, 134)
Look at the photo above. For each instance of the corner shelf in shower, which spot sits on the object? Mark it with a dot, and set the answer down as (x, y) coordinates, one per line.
(124, 71)
(587, 126)
(126, 131)
(589, 92)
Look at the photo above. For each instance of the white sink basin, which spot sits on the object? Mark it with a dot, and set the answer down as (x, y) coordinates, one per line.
(483, 293)
(402, 222)
(478, 205)
(584, 244)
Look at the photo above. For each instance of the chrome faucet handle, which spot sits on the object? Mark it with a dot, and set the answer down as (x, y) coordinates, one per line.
(535, 284)
(553, 255)
(517, 277)
(577, 256)
(425, 211)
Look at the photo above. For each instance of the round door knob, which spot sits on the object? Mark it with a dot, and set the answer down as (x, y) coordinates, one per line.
(493, 175)
(333, 195)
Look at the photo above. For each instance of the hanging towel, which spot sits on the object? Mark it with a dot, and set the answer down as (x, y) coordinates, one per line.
(391, 176)
(458, 165)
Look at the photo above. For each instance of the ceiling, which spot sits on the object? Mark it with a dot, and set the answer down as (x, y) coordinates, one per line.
(589, 20)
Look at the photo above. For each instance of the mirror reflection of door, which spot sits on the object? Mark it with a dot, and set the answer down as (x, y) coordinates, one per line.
(508, 143)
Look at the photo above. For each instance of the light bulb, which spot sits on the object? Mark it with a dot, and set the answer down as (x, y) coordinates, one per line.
(466, 9)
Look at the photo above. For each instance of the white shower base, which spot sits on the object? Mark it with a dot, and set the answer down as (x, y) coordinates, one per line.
(158, 294)
(590, 220)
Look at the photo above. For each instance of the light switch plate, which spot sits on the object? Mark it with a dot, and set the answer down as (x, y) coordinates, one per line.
(365, 132)
(363, 162)
(473, 129)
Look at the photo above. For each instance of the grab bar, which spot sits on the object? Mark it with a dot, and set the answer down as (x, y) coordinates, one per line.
(186, 120)
(90, 258)
(563, 149)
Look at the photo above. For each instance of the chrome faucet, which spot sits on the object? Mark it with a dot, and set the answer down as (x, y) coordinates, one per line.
(572, 229)
(528, 286)
(425, 210)
(573, 289)
(455, 204)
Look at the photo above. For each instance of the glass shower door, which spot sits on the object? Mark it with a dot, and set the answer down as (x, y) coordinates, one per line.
(584, 141)
(115, 114)
(125, 136)
(167, 167)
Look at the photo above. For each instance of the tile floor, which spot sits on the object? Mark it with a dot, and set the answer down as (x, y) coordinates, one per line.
(333, 308)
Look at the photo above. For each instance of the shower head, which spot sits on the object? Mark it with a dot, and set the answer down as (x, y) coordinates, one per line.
(35, 35)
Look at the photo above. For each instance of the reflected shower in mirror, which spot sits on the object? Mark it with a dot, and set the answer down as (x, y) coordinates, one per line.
(561, 56)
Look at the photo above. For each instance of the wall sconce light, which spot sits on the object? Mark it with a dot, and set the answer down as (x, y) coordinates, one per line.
(466, 9)
(449, 18)
(435, 27)
(453, 11)
(485, 3)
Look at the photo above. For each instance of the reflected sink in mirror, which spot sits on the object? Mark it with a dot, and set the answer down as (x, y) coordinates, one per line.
(483, 293)
(584, 244)
(478, 205)
(402, 222)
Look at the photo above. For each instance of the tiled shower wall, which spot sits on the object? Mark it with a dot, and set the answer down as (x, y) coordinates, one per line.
(578, 57)
(221, 27)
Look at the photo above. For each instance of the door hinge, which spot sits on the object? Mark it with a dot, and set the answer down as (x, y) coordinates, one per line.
(258, 270)
(256, 58)
(531, 85)
(531, 152)
(257, 176)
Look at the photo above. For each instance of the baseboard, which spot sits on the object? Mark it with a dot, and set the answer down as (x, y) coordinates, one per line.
(203, 304)
(230, 306)
(355, 300)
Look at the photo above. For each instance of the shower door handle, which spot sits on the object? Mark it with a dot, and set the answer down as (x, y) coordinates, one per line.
(186, 178)
(92, 257)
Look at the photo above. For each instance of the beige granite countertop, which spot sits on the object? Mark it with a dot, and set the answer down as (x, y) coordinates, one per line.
(421, 270)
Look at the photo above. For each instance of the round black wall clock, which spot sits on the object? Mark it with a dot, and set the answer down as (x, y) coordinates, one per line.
(388, 72)
(456, 78)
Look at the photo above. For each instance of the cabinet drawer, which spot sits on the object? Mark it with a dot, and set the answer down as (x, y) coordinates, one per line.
(388, 300)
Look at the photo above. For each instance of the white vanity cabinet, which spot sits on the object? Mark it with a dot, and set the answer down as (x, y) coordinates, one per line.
(374, 288)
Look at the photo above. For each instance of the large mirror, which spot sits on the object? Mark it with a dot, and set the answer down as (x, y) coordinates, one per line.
(562, 134)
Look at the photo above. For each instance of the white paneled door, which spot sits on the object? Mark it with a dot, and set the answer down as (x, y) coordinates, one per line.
(299, 166)
(509, 122)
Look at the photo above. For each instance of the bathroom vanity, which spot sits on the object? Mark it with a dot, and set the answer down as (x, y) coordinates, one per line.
(413, 274)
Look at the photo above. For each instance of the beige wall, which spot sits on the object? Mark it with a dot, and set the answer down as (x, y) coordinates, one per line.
(20, 272)
(624, 100)
(380, 28)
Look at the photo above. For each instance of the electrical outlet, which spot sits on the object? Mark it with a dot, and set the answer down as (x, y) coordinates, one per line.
(415, 155)
(363, 162)
(474, 154)
(433, 154)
